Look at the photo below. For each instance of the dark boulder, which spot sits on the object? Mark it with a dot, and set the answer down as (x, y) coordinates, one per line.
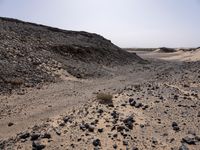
(37, 145)
(96, 142)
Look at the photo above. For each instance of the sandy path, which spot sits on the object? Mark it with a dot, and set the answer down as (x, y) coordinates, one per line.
(26, 110)
(178, 56)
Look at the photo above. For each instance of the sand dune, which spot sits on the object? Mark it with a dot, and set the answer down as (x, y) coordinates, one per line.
(178, 55)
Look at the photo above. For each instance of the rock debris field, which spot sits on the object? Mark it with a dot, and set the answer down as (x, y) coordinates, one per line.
(151, 97)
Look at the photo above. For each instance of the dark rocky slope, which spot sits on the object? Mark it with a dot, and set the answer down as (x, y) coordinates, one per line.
(32, 54)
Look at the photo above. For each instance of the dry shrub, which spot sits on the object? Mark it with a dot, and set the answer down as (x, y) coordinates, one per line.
(104, 98)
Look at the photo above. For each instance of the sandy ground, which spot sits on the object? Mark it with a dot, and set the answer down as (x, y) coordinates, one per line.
(40, 104)
(179, 55)
(168, 89)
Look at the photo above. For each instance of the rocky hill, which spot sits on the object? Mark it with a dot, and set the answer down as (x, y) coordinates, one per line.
(32, 54)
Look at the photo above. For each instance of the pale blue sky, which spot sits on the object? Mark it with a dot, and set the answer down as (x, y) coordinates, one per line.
(127, 23)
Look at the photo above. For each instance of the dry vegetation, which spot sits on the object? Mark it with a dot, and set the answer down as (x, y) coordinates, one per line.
(104, 98)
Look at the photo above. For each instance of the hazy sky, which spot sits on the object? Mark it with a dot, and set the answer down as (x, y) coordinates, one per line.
(127, 23)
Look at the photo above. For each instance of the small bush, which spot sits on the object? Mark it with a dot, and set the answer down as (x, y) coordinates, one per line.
(104, 98)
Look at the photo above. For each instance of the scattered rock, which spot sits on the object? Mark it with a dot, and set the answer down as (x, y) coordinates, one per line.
(145, 107)
(115, 135)
(96, 148)
(183, 147)
(91, 128)
(85, 126)
(197, 138)
(115, 146)
(96, 142)
(100, 130)
(37, 145)
(24, 135)
(132, 102)
(66, 119)
(114, 129)
(46, 135)
(134, 148)
(138, 105)
(176, 97)
(57, 130)
(198, 114)
(129, 122)
(123, 104)
(62, 124)
(120, 128)
(175, 126)
(2, 143)
(154, 141)
(141, 126)
(189, 139)
(82, 127)
(100, 111)
(125, 142)
(115, 115)
(34, 136)
(10, 124)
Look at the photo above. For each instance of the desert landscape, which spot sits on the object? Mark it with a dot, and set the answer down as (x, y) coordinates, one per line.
(70, 90)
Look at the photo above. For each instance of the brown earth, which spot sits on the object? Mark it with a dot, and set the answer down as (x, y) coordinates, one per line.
(155, 105)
